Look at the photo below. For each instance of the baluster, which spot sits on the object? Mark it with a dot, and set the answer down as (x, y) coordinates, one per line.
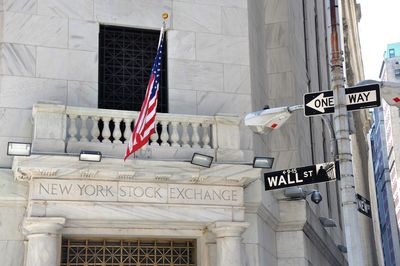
(84, 131)
(206, 136)
(106, 130)
(174, 134)
(154, 136)
(95, 129)
(128, 131)
(195, 136)
(117, 130)
(72, 128)
(164, 133)
(185, 135)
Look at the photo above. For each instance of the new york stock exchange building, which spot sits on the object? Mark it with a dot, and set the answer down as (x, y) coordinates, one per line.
(73, 76)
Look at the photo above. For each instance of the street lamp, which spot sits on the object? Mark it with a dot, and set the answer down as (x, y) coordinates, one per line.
(390, 91)
(264, 121)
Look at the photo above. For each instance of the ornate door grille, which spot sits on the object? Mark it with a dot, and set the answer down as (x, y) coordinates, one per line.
(126, 56)
(138, 252)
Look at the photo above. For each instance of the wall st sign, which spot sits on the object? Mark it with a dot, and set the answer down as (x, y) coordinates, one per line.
(302, 176)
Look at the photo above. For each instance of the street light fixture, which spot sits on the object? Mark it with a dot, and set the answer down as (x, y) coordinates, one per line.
(264, 121)
(390, 91)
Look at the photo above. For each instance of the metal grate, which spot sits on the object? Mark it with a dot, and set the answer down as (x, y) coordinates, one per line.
(125, 59)
(138, 252)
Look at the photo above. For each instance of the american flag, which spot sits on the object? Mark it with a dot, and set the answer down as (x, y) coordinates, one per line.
(145, 124)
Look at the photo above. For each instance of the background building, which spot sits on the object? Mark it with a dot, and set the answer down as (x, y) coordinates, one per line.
(384, 132)
(73, 71)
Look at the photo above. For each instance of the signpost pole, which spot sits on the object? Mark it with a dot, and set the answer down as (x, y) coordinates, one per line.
(347, 187)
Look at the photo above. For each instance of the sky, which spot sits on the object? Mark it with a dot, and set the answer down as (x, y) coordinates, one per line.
(379, 26)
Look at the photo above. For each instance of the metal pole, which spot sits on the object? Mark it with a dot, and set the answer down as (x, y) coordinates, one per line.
(341, 125)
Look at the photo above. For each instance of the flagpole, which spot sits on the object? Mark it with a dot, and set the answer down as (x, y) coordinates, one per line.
(164, 16)
(145, 124)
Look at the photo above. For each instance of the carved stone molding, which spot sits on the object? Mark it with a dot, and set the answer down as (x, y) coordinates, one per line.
(162, 177)
(198, 179)
(126, 175)
(43, 225)
(233, 180)
(228, 229)
(44, 172)
(22, 175)
(88, 173)
(27, 174)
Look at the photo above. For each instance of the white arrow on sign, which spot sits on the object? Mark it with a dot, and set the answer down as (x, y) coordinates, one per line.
(320, 102)
(361, 97)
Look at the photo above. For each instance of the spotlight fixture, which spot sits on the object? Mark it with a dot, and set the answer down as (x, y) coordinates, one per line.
(327, 222)
(19, 149)
(302, 193)
(202, 160)
(90, 156)
(342, 248)
(263, 162)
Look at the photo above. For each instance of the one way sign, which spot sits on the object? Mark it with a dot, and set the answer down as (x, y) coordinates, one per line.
(319, 103)
(360, 97)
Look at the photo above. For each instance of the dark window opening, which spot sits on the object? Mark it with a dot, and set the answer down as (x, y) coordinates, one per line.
(391, 53)
(397, 73)
(126, 56)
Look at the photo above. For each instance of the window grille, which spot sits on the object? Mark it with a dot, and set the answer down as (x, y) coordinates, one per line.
(138, 252)
(126, 56)
(397, 73)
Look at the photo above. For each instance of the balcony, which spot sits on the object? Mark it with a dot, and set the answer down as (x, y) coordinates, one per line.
(68, 129)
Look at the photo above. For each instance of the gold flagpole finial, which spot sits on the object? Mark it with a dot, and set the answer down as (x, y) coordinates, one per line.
(165, 16)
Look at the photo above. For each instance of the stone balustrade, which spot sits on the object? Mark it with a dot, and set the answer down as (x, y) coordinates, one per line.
(59, 128)
(112, 126)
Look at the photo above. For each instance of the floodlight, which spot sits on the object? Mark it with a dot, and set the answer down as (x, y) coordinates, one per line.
(327, 222)
(202, 160)
(19, 149)
(90, 156)
(263, 162)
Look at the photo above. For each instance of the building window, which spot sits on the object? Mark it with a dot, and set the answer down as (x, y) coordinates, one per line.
(397, 73)
(99, 252)
(126, 56)
(391, 53)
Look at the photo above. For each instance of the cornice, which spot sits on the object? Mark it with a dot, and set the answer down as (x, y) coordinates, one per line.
(69, 167)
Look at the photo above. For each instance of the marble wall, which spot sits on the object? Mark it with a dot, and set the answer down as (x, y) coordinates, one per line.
(290, 37)
(12, 210)
(49, 52)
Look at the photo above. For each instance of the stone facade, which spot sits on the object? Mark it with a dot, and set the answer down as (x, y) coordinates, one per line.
(225, 59)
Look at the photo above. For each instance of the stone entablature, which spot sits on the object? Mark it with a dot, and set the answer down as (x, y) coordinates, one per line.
(117, 191)
(134, 190)
(137, 170)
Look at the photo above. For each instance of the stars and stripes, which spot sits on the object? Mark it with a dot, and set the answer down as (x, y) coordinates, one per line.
(145, 124)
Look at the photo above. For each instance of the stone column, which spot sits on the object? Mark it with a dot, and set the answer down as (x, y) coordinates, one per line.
(229, 242)
(43, 240)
